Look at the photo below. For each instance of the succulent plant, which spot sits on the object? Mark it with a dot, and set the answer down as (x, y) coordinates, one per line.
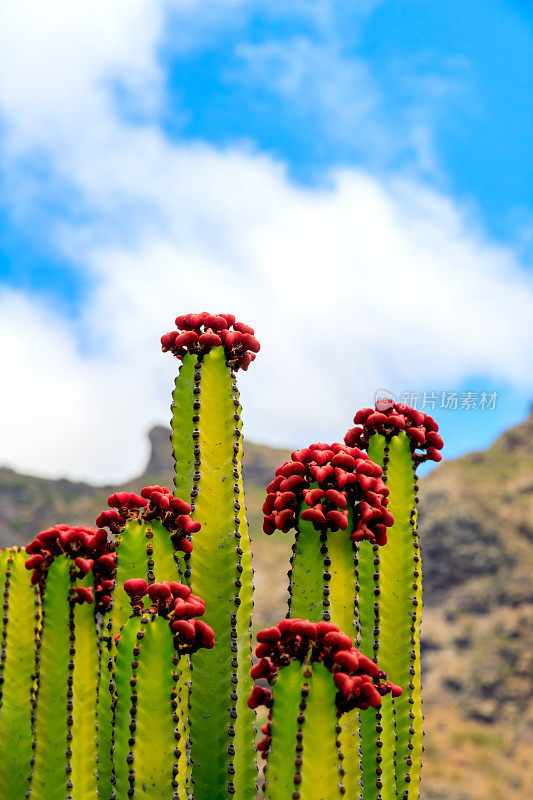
(65, 561)
(149, 734)
(21, 625)
(317, 676)
(399, 438)
(207, 447)
(111, 684)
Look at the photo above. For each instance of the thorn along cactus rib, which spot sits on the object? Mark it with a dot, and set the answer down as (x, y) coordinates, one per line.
(113, 686)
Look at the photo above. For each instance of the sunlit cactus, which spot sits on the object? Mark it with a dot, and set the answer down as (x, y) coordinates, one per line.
(148, 536)
(317, 676)
(113, 687)
(21, 624)
(398, 438)
(65, 721)
(149, 741)
(334, 498)
(207, 447)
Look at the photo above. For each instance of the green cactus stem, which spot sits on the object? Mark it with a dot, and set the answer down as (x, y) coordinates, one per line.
(316, 676)
(21, 619)
(148, 533)
(344, 502)
(207, 445)
(66, 564)
(149, 749)
(399, 438)
(66, 699)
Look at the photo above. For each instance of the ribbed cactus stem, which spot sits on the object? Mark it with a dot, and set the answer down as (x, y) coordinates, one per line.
(332, 573)
(220, 571)
(147, 734)
(20, 627)
(149, 728)
(304, 761)
(149, 535)
(400, 437)
(65, 712)
(400, 609)
(317, 674)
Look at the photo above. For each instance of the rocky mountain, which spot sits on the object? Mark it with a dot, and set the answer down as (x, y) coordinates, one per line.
(476, 518)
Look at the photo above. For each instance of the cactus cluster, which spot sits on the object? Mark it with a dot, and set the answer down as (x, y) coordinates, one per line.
(112, 684)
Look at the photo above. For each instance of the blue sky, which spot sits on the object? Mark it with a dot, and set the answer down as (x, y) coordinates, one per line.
(351, 178)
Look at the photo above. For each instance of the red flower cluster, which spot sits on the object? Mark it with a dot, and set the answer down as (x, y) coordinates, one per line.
(87, 547)
(154, 502)
(359, 682)
(419, 427)
(344, 479)
(198, 333)
(175, 602)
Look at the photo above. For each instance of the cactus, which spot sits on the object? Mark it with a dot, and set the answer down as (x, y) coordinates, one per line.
(399, 438)
(65, 706)
(149, 751)
(21, 621)
(317, 676)
(175, 719)
(207, 446)
(334, 497)
(147, 534)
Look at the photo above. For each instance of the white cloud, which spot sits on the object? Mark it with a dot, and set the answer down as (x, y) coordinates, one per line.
(366, 283)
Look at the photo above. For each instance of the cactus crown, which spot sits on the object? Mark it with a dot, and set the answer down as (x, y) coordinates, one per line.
(331, 481)
(420, 428)
(199, 333)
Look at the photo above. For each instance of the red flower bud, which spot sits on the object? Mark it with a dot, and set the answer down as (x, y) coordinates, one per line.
(261, 670)
(313, 496)
(242, 328)
(135, 587)
(314, 515)
(269, 635)
(339, 641)
(185, 339)
(339, 518)
(336, 497)
(258, 697)
(188, 524)
(367, 665)
(34, 561)
(284, 519)
(184, 628)
(85, 594)
(347, 659)
(179, 506)
(209, 340)
(84, 565)
(283, 500)
(269, 525)
(304, 628)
